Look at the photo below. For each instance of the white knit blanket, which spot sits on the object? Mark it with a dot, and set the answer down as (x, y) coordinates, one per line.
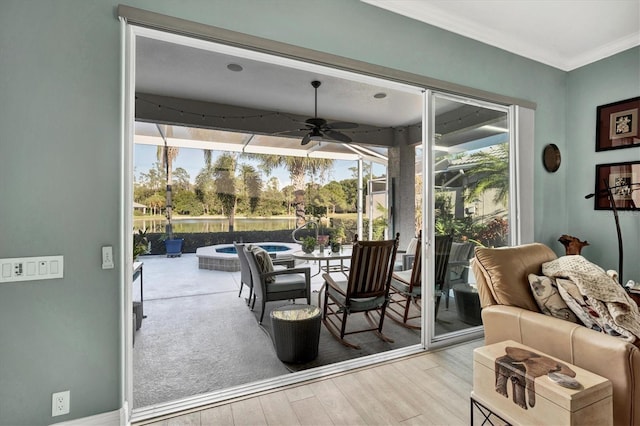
(602, 292)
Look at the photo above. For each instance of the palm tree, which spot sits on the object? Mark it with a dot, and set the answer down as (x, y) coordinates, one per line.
(252, 184)
(491, 168)
(166, 155)
(225, 180)
(297, 168)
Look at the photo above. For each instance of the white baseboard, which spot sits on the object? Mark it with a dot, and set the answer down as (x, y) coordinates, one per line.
(112, 418)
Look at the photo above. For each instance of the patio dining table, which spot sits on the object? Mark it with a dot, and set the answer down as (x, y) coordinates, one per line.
(326, 256)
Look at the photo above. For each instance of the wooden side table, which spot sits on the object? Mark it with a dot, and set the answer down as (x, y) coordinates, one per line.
(517, 397)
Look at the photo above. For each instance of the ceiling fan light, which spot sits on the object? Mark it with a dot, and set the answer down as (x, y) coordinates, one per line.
(315, 135)
(235, 67)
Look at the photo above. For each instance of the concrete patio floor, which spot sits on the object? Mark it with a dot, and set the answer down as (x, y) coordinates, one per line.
(199, 336)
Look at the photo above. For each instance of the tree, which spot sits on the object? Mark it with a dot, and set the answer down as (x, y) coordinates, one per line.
(272, 202)
(333, 196)
(155, 202)
(224, 171)
(205, 189)
(155, 178)
(252, 184)
(297, 168)
(490, 171)
(287, 193)
(350, 189)
(366, 170)
(166, 155)
(182, 179)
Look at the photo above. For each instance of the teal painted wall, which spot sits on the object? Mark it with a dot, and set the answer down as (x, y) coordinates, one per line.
(609, 80)
(59, 163)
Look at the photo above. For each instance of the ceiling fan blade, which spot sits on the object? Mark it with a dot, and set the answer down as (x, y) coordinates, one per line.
(306, 139)
(342, 125)
(341, 137)
(287, 132)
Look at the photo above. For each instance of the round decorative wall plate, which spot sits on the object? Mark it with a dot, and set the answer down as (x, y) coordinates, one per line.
(551, 157)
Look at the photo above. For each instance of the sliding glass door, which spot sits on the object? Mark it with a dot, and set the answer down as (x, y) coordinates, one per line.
(469, 200)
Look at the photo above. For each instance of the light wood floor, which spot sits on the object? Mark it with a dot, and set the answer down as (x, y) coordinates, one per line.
(426, 389)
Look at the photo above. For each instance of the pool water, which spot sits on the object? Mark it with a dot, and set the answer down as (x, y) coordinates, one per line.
(271, 248)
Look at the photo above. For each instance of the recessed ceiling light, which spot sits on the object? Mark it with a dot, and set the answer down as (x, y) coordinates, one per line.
(234, 67)
(380, 95)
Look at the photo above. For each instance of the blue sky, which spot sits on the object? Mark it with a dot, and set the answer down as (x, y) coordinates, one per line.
(192, 160)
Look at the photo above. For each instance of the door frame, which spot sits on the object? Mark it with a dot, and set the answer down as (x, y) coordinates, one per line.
(136, 22)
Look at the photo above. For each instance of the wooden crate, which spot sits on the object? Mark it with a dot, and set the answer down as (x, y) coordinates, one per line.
(553, 404)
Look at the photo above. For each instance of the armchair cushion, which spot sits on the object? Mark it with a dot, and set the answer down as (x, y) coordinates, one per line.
(338, 290)
(549, 300)
(400, 282)
(287, 282)
(505, 271)
(264, 262)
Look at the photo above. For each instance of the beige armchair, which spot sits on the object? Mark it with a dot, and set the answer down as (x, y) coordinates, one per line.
(282, 284)
(509, 312)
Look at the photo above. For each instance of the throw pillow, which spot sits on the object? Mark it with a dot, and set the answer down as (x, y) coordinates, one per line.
(264, 261)
(545, 292)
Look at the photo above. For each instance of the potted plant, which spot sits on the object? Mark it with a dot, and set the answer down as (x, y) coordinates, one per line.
(318, 212)
(337, 238)
(172, 245)
(308, 244)
(140, 243)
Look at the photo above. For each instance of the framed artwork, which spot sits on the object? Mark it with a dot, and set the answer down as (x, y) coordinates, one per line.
(617, 125)
(624, 181)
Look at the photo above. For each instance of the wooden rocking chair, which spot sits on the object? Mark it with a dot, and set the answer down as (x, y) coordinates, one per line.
(366, 289)
(406, 286)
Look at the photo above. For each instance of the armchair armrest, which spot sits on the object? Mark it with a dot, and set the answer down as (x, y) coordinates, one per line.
(288, 262)
(305, 271)
(328, 279)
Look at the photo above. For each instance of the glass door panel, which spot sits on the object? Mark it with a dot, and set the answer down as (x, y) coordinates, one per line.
(471, 191)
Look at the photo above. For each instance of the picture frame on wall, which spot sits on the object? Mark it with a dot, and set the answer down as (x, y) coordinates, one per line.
(624, 181)
(617, 125)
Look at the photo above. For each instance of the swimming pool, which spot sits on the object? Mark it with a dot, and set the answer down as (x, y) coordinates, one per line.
(223, 257)
(271, 248)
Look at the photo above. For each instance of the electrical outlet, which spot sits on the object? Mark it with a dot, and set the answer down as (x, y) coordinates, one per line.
(60, 403)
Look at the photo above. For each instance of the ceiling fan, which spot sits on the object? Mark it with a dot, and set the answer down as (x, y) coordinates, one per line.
(320, 129)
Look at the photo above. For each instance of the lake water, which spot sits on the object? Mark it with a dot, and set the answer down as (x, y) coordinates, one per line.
(214, 225)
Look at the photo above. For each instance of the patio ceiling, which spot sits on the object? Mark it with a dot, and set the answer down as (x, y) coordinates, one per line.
(220, 140)
(244, 101)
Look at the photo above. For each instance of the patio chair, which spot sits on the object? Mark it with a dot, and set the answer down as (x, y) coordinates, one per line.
(406, 286)
(245, 272)
(457, 266)
(366, 289)
(405, 258)
(272, 285)
(441, 261)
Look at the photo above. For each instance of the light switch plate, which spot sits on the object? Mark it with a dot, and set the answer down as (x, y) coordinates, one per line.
(31, 268)
(107, 257)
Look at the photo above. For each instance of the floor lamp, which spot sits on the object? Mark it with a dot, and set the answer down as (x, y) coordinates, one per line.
(612, 203)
